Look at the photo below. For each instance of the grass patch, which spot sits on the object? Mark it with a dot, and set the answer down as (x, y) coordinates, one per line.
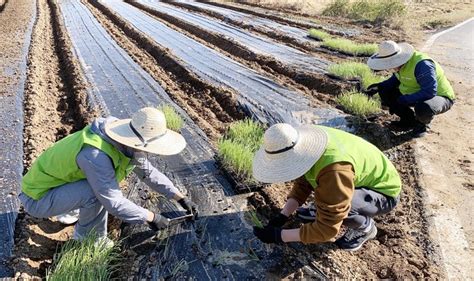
(358, 103)
(373, 11)
(84, 260)
(436, 23)
(350, 47)
(318, 34)
(358, 70)
(173, 120)
(237, 148)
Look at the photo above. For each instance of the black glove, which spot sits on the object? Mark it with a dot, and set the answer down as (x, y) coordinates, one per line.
(159, 222)
(278, 221)
(189, 206)
(372, 90)
(268, 234)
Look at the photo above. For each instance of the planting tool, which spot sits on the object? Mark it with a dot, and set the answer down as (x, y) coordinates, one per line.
(179, 220)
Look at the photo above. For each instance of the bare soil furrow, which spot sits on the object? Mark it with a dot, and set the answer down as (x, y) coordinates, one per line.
(301, 67)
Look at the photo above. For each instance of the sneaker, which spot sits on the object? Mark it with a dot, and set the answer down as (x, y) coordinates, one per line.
(307, 213)
(104, 242)
(68, 218)
(354, 239)
(420, 131)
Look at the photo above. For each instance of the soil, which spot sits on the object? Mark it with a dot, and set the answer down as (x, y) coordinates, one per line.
(56, 104)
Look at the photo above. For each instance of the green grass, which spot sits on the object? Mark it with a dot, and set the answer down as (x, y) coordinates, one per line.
(350, 47)
(373, 11)
(173, 120)
(237, 148)
(359, 70)
(358, 103)
(318, 34)
(83, 261)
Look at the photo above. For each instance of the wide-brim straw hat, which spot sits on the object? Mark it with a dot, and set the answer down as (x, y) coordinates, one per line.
(146, 131)
(391, 55)
(288, 153)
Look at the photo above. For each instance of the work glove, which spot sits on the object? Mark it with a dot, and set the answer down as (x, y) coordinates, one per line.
(372, 90)
(278, 221)
(189, 206)
(268, 234)
(159, 222)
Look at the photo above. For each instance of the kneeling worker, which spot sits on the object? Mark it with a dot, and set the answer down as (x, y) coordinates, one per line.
(418, 82)
(352, 181)
(83, 171)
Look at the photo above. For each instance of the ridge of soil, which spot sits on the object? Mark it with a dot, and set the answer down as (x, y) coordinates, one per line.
(195, 96)
(56, 104)
(279, 36)
(313, 81)
(223, 101)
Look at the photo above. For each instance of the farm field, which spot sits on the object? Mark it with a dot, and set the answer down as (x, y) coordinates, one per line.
(65, 62)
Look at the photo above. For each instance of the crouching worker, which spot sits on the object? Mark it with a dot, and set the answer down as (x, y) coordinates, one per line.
(418, 82)
(83, 171)
(351, 179)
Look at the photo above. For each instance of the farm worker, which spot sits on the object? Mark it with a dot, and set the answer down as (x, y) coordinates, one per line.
(352, 181)
(83, 171)
(418, 82)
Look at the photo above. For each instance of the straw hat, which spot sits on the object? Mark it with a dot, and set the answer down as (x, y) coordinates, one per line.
(146, 131)
(390, 55)
(288, 153)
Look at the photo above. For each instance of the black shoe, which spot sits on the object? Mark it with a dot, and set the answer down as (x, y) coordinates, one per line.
(404, 124)
(420, 131)
(306, 213)
(354, 239)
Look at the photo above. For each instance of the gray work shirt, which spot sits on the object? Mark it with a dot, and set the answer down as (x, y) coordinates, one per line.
(100, 174)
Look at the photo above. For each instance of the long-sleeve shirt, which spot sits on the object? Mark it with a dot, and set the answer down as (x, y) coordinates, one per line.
(332, 199)
(425, 73)
(100, 174)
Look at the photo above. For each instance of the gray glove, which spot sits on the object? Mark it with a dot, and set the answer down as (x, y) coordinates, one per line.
(159, 222)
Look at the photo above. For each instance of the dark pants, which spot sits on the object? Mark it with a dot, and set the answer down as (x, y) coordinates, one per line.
(366, 204)
(424, 111)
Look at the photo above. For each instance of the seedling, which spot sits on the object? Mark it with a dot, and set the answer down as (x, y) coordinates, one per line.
(357, 70)
(173, 120)
(89, 259)
(318, 34)
(255, 220)
(350, 47)
(359, 103)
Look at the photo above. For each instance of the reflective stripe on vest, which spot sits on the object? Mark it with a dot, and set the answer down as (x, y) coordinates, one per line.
(57, 165)
(372, 168)
(409, 85)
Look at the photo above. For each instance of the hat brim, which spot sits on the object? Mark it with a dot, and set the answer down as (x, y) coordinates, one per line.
(291, 164)
(169, 144)
(406, 51)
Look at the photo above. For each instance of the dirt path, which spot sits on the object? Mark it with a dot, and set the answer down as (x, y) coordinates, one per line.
(16, 22)
(446, 156)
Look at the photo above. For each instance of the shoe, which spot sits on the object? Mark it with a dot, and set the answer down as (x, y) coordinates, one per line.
(68, 218)
(403, 124)
(420, 131)
(104, 242)
(307, 213)
(354, 239)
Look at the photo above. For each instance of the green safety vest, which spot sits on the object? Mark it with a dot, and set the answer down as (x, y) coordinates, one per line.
(57, 165)
(409, 85)
(371, 167)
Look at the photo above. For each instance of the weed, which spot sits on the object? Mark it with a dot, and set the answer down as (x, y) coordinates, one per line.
(373, 11)
(350, 47)
(255, 220)
(435, 24)
(173, 120)
(318, 34)
(359, 103)
(358, 70)
(89, 259)
(237, 148)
